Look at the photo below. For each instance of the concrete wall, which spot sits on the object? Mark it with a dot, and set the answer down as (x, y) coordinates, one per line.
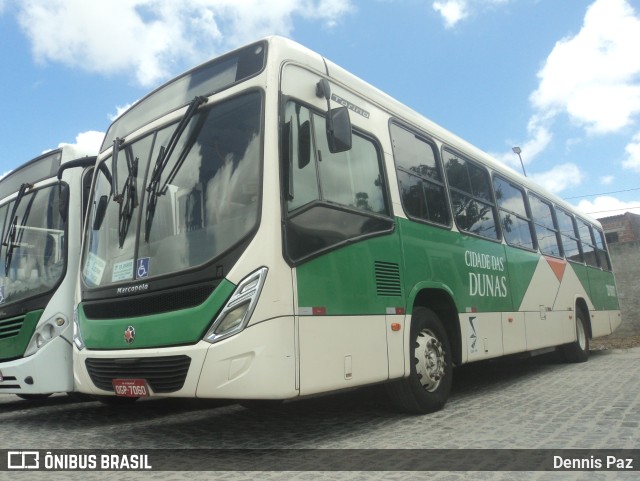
(626, 266)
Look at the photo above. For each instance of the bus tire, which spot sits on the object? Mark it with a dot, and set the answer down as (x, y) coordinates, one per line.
(578, 351)
(427, 387)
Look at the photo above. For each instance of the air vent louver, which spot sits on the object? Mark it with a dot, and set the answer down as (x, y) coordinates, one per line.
(388, 279)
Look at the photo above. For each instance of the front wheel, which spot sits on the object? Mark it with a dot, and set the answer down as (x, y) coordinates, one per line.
(427, 387)
(578, 351)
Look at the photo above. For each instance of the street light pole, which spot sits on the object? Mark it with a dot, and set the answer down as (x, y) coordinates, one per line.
(518, 150)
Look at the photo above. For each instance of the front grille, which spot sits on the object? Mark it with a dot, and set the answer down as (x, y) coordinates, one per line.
(10, 327)
(387, 279)
(163, 374)
(145, 305)
(6, 379)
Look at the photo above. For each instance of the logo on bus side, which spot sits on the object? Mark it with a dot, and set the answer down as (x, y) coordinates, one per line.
(353, 107)
(484, 284)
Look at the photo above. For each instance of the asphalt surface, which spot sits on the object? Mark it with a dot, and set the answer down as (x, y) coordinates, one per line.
(540, 403)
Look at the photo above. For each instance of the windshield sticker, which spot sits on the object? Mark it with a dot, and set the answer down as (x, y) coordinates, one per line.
(142, 269)
(94, 268)
(122, 271)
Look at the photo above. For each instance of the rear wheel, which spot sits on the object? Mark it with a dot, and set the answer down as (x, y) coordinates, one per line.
(429, 383)
(578, 351)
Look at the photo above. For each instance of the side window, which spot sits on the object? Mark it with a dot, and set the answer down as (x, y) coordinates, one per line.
(331, 199)
(353, 178)
(601, 249)
(471, 198)
(514, 216)
(588, 244)
(546, 229)
(570, 241)
(303, 172)
(419, 177)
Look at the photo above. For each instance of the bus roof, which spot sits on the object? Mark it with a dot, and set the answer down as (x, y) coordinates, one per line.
(42, 167)
(283, 49)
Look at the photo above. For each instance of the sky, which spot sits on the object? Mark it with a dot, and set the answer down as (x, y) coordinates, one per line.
(558, 78)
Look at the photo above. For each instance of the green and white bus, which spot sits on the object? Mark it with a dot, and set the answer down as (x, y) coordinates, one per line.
(268, 226)
(41, 210)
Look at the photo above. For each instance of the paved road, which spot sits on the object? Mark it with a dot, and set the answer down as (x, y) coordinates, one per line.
(539, 403)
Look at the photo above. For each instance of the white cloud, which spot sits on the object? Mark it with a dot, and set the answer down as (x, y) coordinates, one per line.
(607, 206)
(559, 177)
(150, 39)
(87, 142)
(593, 76)
(607, 180)
(452, 11)
(539, 138)
(633, 154)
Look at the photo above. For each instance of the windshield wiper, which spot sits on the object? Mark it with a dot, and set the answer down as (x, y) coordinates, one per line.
(10, 243)
(128, 198)
(161, 163)
(10, 238)
(117, 142)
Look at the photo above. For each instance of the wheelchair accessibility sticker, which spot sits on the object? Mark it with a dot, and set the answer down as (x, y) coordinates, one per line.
(142, 268)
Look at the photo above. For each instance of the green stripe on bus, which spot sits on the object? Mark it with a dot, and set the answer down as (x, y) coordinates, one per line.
(16, 332)
(184, 326)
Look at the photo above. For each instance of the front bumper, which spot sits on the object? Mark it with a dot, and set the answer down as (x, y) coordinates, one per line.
(47, 371)
(257, 363)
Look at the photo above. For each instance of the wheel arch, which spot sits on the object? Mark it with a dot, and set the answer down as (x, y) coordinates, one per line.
(440, 299)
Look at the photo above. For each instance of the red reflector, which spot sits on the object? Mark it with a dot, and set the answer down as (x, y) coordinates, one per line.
(399, 310)
(319, 311)
(396, 326)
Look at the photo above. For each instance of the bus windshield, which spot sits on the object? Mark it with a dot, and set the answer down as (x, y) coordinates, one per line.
(179, 208)
(33, 257)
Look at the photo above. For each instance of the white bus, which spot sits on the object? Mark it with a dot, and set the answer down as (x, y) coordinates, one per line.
(268, 226)
(42, 204)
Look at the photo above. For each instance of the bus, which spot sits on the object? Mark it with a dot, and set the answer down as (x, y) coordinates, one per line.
(267, 226)
(41, 208)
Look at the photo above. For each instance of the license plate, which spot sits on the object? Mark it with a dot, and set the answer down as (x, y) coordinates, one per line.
(130, 387)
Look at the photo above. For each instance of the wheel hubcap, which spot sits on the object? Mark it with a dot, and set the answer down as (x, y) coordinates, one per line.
(430, 360)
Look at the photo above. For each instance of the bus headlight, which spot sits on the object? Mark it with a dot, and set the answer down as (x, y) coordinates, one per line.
(237, 311)
(77, 336)
(45, 332)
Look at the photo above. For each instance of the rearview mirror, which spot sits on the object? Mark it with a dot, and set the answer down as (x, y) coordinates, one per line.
(339, 130)
(101, 209)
